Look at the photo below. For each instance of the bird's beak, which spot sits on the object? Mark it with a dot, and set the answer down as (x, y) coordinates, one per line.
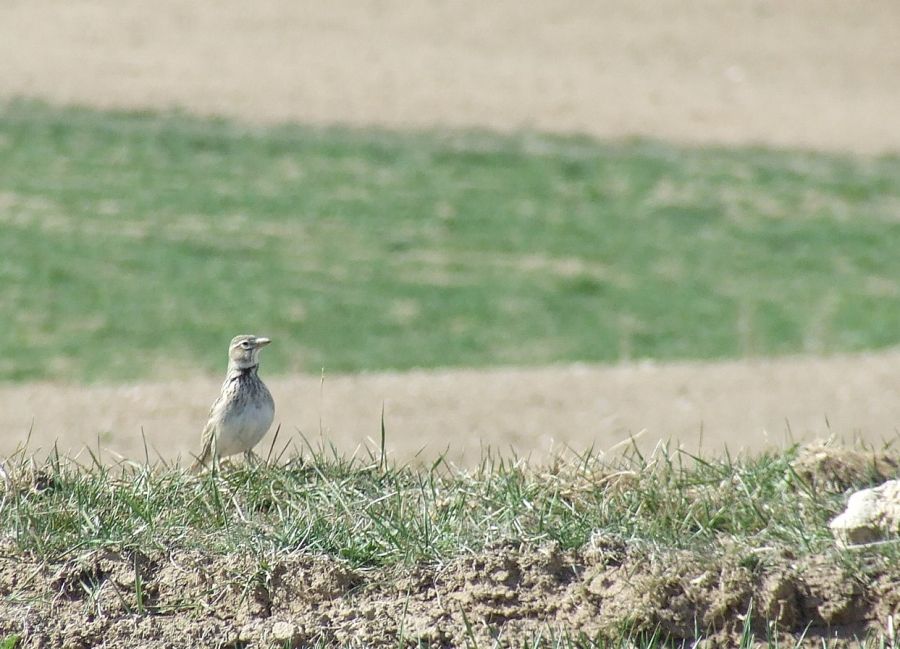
(262, 342)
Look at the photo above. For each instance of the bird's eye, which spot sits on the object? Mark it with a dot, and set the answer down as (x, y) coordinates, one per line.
(246, 344)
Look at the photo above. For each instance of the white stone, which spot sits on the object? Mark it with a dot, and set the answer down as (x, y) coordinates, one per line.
(871, 515)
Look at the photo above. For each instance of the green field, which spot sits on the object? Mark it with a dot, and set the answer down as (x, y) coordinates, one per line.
(136, 245)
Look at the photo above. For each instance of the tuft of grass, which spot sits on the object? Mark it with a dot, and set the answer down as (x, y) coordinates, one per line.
(372, 513)
(361, 250)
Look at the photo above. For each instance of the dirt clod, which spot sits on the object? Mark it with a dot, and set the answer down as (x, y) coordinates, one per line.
(836, 468)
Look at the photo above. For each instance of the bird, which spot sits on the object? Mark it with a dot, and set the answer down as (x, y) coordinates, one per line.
(244, 410)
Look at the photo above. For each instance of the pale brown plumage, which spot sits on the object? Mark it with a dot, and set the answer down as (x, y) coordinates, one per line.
(244, 411)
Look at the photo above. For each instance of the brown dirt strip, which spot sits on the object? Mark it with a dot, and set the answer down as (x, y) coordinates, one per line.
(536, 412)
(819, 74)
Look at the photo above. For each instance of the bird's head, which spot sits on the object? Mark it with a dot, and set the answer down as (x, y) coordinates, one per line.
(243, 352)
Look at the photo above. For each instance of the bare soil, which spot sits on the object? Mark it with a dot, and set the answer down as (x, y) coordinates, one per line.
(816, 74)
(512, 593)
(536, 413)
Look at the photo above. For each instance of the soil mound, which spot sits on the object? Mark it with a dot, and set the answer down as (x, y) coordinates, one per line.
(512, 592)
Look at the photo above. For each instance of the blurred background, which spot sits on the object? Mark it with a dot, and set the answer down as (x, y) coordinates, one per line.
(533, 227)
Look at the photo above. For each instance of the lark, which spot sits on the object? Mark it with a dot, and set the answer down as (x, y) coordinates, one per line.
(242, 414)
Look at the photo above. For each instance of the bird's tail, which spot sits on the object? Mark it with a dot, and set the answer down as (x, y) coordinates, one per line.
(207, 450)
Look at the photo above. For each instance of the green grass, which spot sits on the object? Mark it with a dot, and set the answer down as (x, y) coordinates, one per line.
(161, 236)
(374, 514)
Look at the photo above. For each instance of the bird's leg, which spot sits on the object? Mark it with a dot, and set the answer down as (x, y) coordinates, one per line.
(251, 458)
